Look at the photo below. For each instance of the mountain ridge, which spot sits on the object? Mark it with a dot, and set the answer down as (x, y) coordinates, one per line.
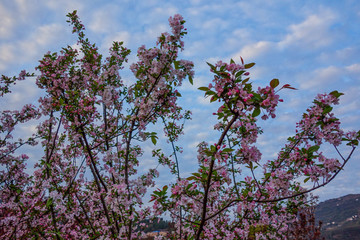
(340, 217)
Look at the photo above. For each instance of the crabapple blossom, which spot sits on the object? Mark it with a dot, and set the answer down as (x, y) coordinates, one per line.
(91, 183)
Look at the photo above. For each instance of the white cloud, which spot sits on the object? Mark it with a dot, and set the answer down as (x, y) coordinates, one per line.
(29, 128)
(101, 21)
(198, 82)
(238, 37)
(148, 36)
(311, 33)
(119, 37)
(39, 41)
(23, 6)
(195, 2)
(346, 182)
(203, 100)
(165, 11)
(6, 23)
(214, 25)
(194, 48)
(30, 48)
(320, 77)
(64, 6)
(193, 11)
(205, 9)
(154, 32)
(330, 76)
(343, 55)
(348, 110)
(255, 50)
(202, 135)
(47, 34)
(354, 68)
(24, 92)
(7, 55)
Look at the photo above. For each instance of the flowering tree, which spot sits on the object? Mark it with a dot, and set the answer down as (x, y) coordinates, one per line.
(92, 126)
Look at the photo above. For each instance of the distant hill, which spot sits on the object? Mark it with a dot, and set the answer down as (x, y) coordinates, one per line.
(340, 217)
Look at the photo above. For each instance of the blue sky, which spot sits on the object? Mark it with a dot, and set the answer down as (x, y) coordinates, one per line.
(312, 45)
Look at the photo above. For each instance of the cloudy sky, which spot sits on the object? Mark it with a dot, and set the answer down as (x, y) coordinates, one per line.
(312, 45)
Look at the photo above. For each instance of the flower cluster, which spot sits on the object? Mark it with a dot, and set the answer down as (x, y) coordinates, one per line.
(87, 183)
(218, 201)
(91, 180)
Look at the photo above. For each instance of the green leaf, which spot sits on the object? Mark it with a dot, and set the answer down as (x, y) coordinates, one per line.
(249, 65)
(245, 80)
(49, 202)
(313, 149)
(256, 112)
(214, 98)
(306, 179)
(251, 165)
(191, 178)
(336, 94)
(176, 64)
(226, 150)
(274, 83)
(209, 93)
(204, 88)
(208, 152)
(196, 174)
(257, 96)
(48, 165)
(211, 66)
(238, 74)
(224, 74)
(153, 139)
(327, 109)
(191, 80)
